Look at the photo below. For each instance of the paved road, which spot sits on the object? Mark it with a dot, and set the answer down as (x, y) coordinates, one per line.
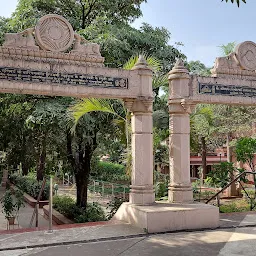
(240, 241)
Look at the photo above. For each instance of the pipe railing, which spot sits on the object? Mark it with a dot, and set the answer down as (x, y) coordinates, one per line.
(229, 184)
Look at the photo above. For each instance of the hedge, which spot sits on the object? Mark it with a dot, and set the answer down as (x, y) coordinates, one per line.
(30, 185)
(67, 206)
(107, 171)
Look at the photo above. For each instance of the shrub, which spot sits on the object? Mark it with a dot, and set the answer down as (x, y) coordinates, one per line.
(67, 206)
(114, 205)
(161, 189)
(30, 185)
(108, 171)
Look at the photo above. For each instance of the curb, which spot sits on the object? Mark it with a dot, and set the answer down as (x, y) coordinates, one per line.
(106, 239)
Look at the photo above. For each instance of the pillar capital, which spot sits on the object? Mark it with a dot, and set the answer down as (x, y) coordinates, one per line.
(139, 105)
(179, 71)
(181, 106)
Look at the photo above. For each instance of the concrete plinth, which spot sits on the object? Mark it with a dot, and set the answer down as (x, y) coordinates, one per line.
(161, 217)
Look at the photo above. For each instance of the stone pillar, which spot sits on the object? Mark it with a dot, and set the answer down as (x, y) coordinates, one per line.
(4, 178)
(142, 190)
(180, 189)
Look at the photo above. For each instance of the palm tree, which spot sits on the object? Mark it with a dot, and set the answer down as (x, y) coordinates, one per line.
(227, 49)
(122, 120)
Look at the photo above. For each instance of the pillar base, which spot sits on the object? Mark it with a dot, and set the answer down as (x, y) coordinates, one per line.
(161, 217)
(142, 195)
(180, 194)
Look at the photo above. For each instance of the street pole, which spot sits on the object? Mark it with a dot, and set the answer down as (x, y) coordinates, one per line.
(50, 206)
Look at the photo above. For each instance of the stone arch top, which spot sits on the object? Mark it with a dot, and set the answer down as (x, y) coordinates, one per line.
(53, 33)
(233, 80)
(241, 62)
(52, 59)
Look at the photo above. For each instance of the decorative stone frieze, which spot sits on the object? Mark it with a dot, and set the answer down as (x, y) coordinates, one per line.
(246, 55)
(49, 42)
(82, 46)
(23, 39)
(241, 63)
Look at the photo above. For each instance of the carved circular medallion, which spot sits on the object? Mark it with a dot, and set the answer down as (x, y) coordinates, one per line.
(246, 55)
(54, 33)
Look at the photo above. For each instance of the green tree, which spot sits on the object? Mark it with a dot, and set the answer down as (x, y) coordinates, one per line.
(245, 151)
(80, 13)
(221, 174)
(4, 28)
(120, 42)
(202, 128)
(198, 68)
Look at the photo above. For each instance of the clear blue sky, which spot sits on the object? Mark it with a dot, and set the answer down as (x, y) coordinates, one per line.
(201, 25)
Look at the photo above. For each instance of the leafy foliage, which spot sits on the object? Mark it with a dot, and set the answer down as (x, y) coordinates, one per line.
(67, 206)
(220, 174)
(198, 68)
(228, 48)
(161, 189)
(120, 42)
(108, 171)
(12, 201)
(245, 151)
(30, 185)
(114, 205)
(79, 13)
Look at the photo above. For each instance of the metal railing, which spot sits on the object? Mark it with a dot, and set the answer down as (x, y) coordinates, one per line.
(252, 200)
(108, 189)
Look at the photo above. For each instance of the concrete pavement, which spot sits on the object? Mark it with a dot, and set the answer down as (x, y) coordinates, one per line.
(240, 241)
(24, 217)
(113, 239)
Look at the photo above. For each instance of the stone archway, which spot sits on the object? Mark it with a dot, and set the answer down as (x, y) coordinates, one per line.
(51, 59)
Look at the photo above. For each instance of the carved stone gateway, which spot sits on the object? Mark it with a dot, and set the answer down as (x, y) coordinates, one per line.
(51, 59)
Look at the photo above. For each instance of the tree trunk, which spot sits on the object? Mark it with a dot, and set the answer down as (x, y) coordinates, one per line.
(204, 163)
(232, 188)
(82, 175)
(42, 158)
(25, 168)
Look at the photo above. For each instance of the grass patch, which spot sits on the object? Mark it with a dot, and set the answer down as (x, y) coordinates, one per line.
(241, 205)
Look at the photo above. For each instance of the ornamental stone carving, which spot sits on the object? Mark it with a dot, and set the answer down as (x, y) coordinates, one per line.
(24, 39)
(50, 42)
(54, 33)
(246, 55)
(240, 63)
(82, 46)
